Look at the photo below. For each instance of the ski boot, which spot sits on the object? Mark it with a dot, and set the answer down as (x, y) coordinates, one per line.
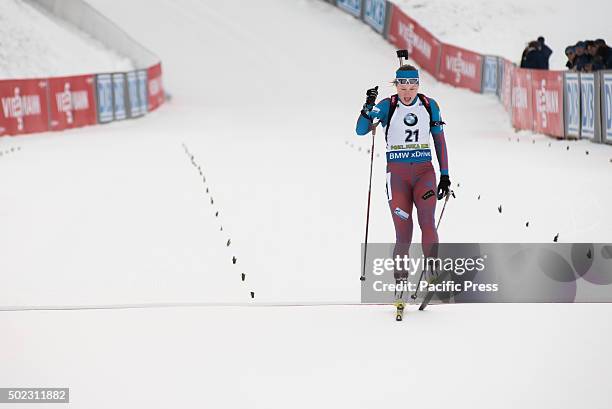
(399, 309)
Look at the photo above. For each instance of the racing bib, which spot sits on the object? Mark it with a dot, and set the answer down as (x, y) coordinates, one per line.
(408, 136)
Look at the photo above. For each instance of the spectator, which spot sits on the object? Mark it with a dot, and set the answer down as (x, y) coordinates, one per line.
(605, 53)
(545, 53)
(570, 53)
(532, 56)
(524, 54)
(582, 58)
(597, 62)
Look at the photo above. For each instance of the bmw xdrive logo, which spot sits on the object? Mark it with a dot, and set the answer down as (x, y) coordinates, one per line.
(411, 119)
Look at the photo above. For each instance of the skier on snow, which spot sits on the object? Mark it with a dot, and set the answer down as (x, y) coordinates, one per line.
(408, 119)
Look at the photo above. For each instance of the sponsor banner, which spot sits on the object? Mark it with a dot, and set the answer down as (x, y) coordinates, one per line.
(500, 76)
(104, 97)
(134, 95)
(350, 6)
(490, 75)
(489, 272)
(460, 67)
(587, 106)
(606, 109)
(506, 85)
(571, 102)
(522, 117)
(72, 102)
(374, 14)
(154, 87)
(24, 106)
(143, 94)
(423, 47)
(119, 96)
(39, 105)
(547, 87)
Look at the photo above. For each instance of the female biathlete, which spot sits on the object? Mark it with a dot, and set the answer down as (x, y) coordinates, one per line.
(408, 119)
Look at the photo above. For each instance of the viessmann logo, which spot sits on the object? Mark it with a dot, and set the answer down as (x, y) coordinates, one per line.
(19, 106)
(68, 101)
(413, 40)
(547, 101)
(460, 67)
(519, 97)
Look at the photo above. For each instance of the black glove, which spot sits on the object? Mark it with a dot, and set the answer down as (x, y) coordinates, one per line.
(443, 186)
(371, 95)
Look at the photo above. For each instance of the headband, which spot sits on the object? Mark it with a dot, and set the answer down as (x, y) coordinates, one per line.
(406, 74)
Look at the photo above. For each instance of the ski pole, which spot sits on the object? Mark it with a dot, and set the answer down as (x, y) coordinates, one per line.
(365, 249)
(448, 195)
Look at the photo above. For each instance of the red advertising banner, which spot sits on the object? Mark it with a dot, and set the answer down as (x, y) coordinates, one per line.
(423, 47)
(155, 86)
(522, 117)
(72, 102)
(460, 67)
(547, 102)
(24, 106)
(506, 86)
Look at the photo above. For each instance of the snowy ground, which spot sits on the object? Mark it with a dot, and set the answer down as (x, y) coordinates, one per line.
(118, 214)
(463, 356)
(34, 44)
(503, 28)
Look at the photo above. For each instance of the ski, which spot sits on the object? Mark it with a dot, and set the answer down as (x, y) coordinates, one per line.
(430, 294)
(399, 312)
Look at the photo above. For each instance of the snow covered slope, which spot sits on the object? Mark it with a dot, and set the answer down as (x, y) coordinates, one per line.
(265, 96)
(503, 28)
(34, 44)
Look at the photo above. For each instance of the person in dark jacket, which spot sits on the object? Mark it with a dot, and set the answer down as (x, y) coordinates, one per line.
(532, 57)
(604, 52)
(570, 53)
(597, 61)
(545, 53)
(582, 58)
(525, 51)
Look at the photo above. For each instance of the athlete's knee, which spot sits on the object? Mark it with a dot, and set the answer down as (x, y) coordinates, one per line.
(426, 220)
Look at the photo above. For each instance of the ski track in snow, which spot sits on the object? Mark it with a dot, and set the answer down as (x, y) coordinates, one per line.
(114, 214)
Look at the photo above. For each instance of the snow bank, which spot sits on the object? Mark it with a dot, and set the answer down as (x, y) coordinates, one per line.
(34, 44)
